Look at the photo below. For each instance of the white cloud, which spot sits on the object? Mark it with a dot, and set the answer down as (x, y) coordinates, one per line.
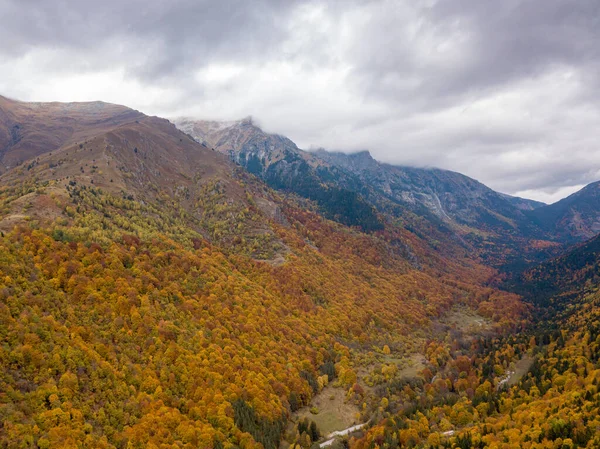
(550, 196)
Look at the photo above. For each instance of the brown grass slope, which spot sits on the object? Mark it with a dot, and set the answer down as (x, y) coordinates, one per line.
(151, 161)
(28, 130)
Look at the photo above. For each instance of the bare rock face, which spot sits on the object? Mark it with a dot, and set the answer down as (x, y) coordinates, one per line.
(282, 165)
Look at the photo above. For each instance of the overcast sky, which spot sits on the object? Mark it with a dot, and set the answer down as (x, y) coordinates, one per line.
(507, 92)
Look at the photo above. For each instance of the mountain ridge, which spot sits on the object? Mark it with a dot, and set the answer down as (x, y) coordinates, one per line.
(499, 225)
(28, 130)
(215, 134)
(575, 217)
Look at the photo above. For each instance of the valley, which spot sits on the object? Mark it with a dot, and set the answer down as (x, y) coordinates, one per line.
(203, 284)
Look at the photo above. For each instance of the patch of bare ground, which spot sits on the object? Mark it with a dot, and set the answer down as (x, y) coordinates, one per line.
(10, 221)
(279, 258)
(276, 261)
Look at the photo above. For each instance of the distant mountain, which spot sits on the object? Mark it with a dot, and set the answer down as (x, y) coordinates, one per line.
(433, 203)
(449, 195)
(30, 129)
(574, 218)
(241, 140)
(555, 282)
(279, 162)
(523, 203)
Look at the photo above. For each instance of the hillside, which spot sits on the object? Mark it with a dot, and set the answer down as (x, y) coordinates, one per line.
(574, 218)
(448, 195)
(154, 293)
(283, 166)
(562, 278)
(523, 203)
(439, 205)
(151, 162)
(28, 130)
(537, 388)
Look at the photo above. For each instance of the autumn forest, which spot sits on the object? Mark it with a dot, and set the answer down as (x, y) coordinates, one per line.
(158, 293)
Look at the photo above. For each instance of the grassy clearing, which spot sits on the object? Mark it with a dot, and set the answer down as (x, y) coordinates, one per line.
(334, 412)
(466, 320)
(521, 368)
(411, 366)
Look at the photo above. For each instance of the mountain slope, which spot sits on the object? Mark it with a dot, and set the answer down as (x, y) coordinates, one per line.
(150, 161)
(439, 205)
(28, 130)
(240, 138)
(523, 203)
(574, 218)
(563, 277)
(447, 194)
(283, 166)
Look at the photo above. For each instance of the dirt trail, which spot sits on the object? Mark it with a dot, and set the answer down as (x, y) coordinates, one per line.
(331, 437)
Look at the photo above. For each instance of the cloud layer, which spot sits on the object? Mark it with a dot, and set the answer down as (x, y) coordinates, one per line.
(506, 92)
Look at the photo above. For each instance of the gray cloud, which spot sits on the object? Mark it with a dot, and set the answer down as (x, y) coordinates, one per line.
(506, 92)
(515, 39)
(152, 38)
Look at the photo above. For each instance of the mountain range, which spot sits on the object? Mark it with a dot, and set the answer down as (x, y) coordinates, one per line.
(346, 186)
(450, 202)
(193, 283)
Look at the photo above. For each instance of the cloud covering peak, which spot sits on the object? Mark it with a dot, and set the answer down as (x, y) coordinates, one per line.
(505, 92)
